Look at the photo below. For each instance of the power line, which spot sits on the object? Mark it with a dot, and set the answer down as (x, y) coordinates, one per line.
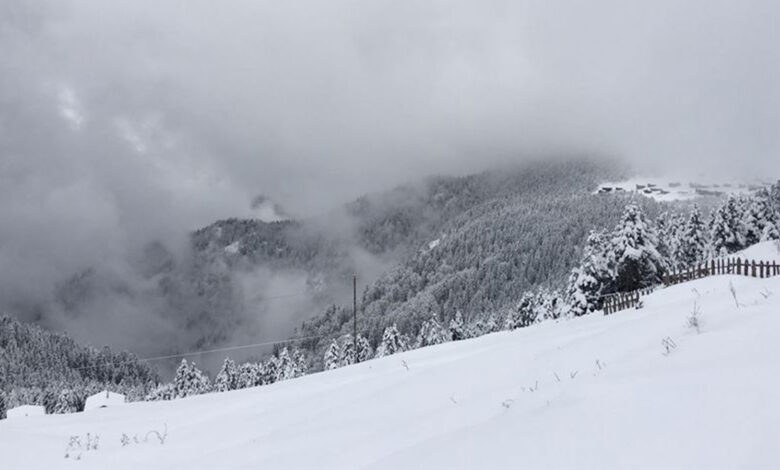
(197, 353)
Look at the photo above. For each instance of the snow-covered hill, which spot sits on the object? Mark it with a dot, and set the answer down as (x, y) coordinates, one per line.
(637, 389)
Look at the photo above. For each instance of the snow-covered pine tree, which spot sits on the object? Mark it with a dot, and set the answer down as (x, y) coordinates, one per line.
(67, 402)
(270, 371)
(285, 365)
(227, 378)
(249, 374)
(636, 252)
(189, 380)
(456, 330)
(161, 392)
(760, 219)
(392, 342)
(333, 358)
(693, 242)
(431, 333)
(3, 404)
(300, 363)
(594, 276)
(726, 229)
(524, 314)
(364, 349)
(348, 348)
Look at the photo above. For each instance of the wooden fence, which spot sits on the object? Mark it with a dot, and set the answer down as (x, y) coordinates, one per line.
(737, 266)
(761, 269)
(623, 300)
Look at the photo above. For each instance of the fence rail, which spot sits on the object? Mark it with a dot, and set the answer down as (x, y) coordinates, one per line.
(751, 268)
(623, 300)
(737, 266)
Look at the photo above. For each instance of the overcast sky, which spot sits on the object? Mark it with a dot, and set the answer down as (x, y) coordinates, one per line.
(122, 121)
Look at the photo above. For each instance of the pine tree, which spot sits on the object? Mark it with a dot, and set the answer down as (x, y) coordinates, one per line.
(270, 371)
(392, 342)
(67, 402)
(638, 262)
(693, 242)
(300, 364)
(287, 368)
(364, 349)
(456, 331)
(594, 277)
(161, 392)
(250, 374)
(760, 219)
(227, 378)
(523, 315)
(333, 358)
(726, 229)
(431, 333)
(189, 380)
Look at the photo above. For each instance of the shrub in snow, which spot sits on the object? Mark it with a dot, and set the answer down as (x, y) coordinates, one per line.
(694, 321)
(392, 342)
(189, 380)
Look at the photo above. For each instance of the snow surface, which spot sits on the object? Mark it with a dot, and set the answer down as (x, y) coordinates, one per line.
(434, 243)
(25, 411)
(764, 251)
(595, 392)
(233, 247)
(104, 399)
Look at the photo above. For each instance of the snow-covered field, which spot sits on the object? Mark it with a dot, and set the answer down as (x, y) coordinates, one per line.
(638, 389)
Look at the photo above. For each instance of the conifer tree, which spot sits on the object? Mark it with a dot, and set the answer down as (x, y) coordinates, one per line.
(456, 331)
(726, 229)
(227, 378)
(693, 242)
(523, 315)
(638, 262)
(392, 342)
(431, 333)
(285, 365)
(3, 404)
(189, 380)
(300, 364)
(333, 358)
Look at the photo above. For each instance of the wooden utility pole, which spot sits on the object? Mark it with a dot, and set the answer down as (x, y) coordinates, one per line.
(354, 318)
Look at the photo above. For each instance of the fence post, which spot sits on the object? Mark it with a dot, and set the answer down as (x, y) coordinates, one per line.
(712, 268)
(739, 266)
(761, 269)
(753, 269)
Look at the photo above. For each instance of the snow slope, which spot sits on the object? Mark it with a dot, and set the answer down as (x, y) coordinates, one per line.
(595, 392)
(764, 251)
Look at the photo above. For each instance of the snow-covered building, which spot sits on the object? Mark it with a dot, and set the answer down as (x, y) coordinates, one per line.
(25, 410)
(104, 399)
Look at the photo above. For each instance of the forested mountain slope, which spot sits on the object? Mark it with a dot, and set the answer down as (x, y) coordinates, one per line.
(51, 369)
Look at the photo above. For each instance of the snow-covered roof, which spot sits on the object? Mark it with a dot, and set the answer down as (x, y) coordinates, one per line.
(104, 399)
(26, 410)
